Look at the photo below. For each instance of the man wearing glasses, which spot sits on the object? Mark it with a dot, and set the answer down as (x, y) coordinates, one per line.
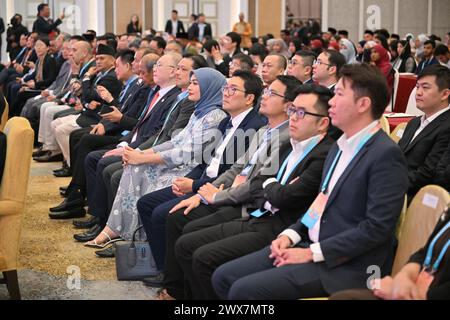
(301, 66)
(229, 196)
(327, 67)
(277, 198)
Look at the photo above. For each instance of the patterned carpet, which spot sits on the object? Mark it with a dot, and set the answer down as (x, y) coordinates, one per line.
(48, 251)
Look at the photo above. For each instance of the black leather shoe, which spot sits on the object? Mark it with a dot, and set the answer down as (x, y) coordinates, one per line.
(63, 188)
(39, 152)
(154, 281)
(68, 205)
(87, 224)
(64, 173)
(109, 252)
(89, 235)
(71, 214)
(49, 157)
(65, 165)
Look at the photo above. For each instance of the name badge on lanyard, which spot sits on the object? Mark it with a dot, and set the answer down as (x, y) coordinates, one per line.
(315, 212)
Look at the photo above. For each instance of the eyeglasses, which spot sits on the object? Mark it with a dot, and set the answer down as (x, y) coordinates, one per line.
(269, 93)
(300, 112)
(318, 62)
(230, 91)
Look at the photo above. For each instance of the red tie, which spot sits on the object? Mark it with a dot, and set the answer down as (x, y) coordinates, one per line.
(152, 104)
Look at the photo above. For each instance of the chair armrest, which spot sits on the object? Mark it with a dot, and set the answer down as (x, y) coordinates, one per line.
(9, 208)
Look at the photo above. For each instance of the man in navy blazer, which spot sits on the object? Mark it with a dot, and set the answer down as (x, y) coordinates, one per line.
(349, 231)
(428, 56)
(239, 127)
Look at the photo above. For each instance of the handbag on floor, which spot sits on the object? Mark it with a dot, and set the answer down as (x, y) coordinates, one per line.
(134, 260)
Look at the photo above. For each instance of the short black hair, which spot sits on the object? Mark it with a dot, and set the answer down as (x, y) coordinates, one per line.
(432, 42)
(307, 56)
(44, 39)
(245, 60)
(324, 95)
(368, 81)
(198, 60)
(209, 44)
(292, 85)
(333, 31)
(126, 56)
(161, 43)
(258, 50)
(383, 32)
(395, 36)
(343, 32)
(235, 38)
(441, 73)
(369, 32)
(41, 7)
(175, 11)
(441, 49)
(285, 32)
(336, 59)
(252, 83)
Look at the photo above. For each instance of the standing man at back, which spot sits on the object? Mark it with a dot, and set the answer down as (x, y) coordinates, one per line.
(43, 25)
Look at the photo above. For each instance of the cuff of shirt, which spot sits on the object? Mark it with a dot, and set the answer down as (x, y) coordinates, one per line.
(123, 144)
(317, 252)
(269, 181)
(293, 235)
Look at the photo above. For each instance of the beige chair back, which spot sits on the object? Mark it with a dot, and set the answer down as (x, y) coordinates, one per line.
(13, 189)
(385, 125)
(419, 222)
(4, 116)
(397, 134)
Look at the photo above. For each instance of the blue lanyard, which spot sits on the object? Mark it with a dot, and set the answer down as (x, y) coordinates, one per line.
(125, 90)
(308, 149)
(84, 68)
(19, 56)
(330, 172)
(427, 262)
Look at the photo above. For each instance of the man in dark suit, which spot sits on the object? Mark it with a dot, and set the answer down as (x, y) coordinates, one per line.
(428, 56)
(442, 176)
(351, 224)
(103, 175)
(231, 190)
(301, 66)
(156, 107)
(199, 30)
(237, 130)
(43, 25)
(2, 30)
(174, 26)
(426, 138)
(281, 197)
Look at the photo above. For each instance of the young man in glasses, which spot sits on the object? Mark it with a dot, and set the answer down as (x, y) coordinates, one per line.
(327, 67)
(233, 186)
(277, 199)
(301, 66)
(351, 224)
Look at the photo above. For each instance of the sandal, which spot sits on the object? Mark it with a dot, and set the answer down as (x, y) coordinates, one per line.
(94, 244)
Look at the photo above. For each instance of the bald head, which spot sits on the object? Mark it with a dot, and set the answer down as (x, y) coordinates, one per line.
(81, 52)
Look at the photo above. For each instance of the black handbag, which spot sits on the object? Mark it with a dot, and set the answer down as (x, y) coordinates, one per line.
(134, 260)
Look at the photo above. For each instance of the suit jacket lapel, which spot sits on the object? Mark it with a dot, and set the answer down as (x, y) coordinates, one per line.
(409, 134)
(428, 129)
(349, 170)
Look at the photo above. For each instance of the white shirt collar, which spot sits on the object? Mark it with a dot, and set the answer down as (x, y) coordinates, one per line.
(299, 146)
(350, 145)
(434, 116)
(163, 91)
(236, 121)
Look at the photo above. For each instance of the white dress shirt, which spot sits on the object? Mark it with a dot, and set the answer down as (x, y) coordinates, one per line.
(424, 121)
(349, 148)
(213, 169)
(298, 149)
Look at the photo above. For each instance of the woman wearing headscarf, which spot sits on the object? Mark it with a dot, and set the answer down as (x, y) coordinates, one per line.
(155, 169)
(347, 49)
(380, 58)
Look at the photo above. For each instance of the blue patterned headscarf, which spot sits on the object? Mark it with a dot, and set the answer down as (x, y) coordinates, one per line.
(211, 82)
